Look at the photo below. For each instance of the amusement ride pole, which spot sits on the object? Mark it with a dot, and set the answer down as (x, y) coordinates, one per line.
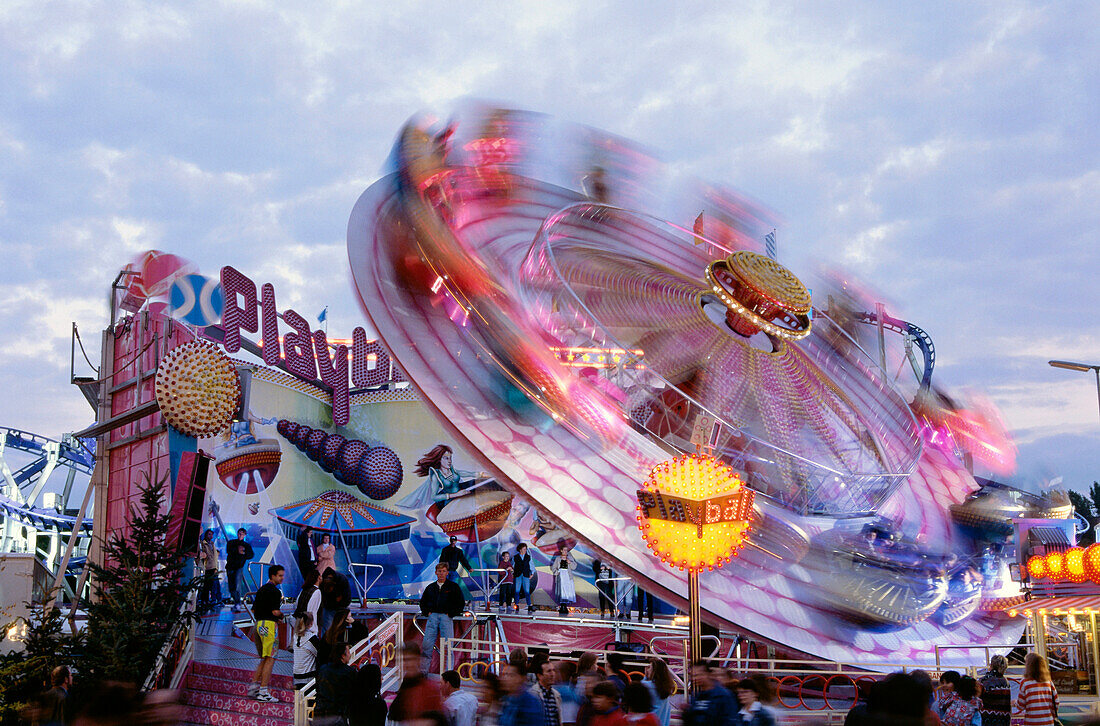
(694, 626)
(1082, 367)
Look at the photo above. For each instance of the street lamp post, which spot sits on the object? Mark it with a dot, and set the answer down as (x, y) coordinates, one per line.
(1082, 367)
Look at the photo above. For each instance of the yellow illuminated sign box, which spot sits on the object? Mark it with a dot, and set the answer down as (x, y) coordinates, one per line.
(736, 507)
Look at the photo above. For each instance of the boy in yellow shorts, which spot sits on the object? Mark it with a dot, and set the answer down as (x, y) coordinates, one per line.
(266, 609)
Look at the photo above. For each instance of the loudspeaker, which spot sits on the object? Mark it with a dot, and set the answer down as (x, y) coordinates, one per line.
(189, 496)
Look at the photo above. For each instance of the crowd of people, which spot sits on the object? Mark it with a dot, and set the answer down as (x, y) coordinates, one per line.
(540, 692)
(960, 700)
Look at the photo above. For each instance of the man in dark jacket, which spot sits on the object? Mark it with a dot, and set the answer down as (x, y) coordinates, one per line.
(335, 688)
(442, 600)
(711, 704)
(453, 556)
(306, 555)
(237, 554)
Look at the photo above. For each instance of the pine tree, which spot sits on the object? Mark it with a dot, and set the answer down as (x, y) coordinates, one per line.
(25, 673)
(1094, 495)
(1081, 504)
(139, 593)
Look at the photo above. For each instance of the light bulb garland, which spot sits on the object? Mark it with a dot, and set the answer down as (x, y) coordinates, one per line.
(1076, 564)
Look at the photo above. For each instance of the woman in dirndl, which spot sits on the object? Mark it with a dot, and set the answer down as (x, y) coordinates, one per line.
(562, 567)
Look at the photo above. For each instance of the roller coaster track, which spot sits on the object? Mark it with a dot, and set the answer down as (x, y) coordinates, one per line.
(21, 488)
(911, 333)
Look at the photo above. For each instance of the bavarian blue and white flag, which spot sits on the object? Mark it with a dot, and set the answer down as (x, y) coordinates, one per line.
(769, 244)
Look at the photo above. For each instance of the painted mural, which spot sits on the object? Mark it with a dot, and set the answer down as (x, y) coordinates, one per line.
(389, 489)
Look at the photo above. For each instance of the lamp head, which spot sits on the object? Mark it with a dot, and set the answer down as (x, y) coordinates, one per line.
(1070, 365)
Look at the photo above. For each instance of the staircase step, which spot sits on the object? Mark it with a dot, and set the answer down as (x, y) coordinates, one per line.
(237, 674)
(210, 717)
(239, 689)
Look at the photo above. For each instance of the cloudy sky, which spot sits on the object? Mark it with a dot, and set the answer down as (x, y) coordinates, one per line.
(945, 152)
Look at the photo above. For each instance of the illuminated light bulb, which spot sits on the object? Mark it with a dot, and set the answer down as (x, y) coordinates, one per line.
(1055, 562)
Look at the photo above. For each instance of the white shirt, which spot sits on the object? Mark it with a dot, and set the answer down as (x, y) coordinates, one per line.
(305, 654)
(313, 606)
(461, 708)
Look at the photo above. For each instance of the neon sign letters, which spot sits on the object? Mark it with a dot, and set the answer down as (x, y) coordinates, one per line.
(303, 352)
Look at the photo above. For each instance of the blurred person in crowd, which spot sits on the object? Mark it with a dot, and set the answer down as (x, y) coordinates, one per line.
(965, 708)
(266, 610)
(441, 602)
(996, 694)
(945, 692)
(605, 706)
(417, 694)
(931, 718)
(661, 686)
(335, 596)
(54, 707)
(309, 600)
(507, 589)
(522, 573)
(340, 632)
(616, 672)
(368, 708)
(753, 712)
(122, 704)
(566, 686)
(710, 704)
(587, 664)
(306, 644)
(638, 704)
(1037, 701)
(306, 556)
(335, 688)
(210, 596)
(492, 699)
(545, 676)
(518, 657)
(237, 554)
(899, 699)
(459, 705)
(520, 707)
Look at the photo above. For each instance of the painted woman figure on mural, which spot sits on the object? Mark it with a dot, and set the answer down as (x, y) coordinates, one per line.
(444, 482)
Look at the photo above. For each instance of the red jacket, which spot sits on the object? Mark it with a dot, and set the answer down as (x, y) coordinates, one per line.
(415, 697)
(614, 717)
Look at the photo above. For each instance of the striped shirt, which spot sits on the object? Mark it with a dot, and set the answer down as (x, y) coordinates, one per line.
(1037, 703)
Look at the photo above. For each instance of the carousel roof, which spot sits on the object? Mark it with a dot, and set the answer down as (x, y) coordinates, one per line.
(333, 511)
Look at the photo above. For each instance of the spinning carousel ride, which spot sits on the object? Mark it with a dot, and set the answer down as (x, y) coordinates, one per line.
(574, 329)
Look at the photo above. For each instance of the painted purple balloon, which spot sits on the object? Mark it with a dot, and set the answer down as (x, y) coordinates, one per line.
(330, 452)
(348, 460)
(379, 473)
(314, 442)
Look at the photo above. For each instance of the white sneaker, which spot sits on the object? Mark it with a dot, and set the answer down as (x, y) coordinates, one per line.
(253, 689)
(265, 696)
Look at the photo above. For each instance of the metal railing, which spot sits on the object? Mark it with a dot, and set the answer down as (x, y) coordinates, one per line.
(366, 569)
(176, 653)
(383, 646)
